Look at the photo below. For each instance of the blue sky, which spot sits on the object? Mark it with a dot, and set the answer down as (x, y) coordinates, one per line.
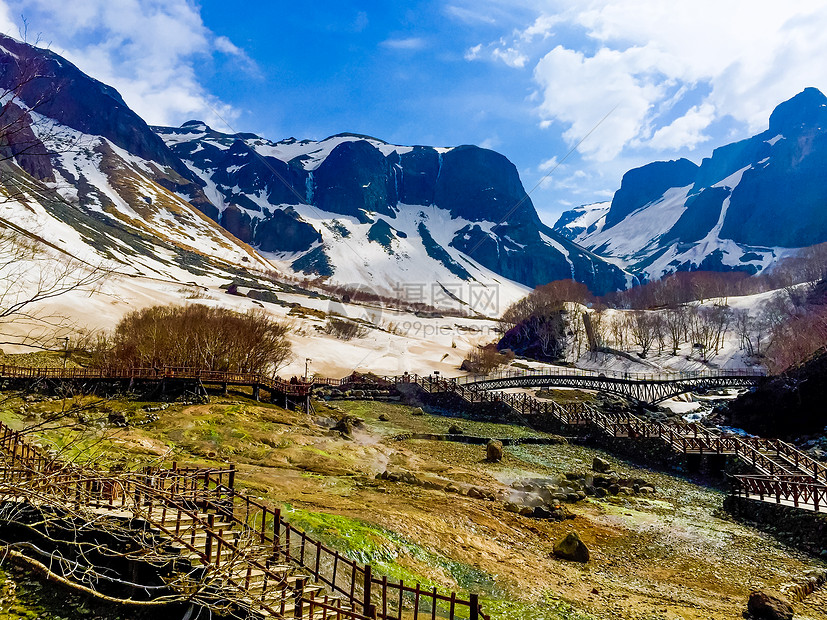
(528, 79)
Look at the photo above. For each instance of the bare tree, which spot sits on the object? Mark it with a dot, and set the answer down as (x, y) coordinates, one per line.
(31, 276)
(674, 323)
(201, 337)
(643, 328)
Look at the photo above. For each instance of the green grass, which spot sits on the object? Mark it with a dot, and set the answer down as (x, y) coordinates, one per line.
(385, 550)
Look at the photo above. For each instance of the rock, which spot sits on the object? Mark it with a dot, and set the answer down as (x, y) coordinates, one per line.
(527, 511)
(601, 465)
(494, 451)
(600, 492)
(452, 488)
(475, 493)
(763, 606)
(418, 411)
(570, 547)
(454, 429)
(542, 512)
(383, 417)
(512, 507)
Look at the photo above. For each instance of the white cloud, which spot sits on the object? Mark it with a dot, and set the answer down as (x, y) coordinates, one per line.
(686, 131)
(7, 24)
(510, 56)
(581, 90)
(646, 58)
(541, 27)
(146, 49)
(491, 142)
(472, 53)
(409, 43)
(548, 164)
(468, 16)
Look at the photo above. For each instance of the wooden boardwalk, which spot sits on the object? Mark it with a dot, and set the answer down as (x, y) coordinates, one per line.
(238, 554)
(281, 392)
(782, 473)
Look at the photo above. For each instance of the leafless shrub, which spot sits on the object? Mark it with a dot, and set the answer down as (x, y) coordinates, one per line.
(198, 336)
(344, 329)
(485, 359)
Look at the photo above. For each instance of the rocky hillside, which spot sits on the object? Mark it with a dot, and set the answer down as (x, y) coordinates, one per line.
(786, 406)
(85, 174)
(748, 204)
(363, 211)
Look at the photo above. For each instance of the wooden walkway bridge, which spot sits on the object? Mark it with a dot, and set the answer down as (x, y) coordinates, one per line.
(648, 388)
(782, 473)
(282, 392)
(227, 551)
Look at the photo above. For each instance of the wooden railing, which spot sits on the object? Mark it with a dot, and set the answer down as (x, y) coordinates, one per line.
(801, 479)
(186, 503)
(377, 596)
(300, 388)
(791, 489)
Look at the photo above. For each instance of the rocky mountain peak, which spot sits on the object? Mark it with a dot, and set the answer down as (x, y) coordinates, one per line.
(808, 109)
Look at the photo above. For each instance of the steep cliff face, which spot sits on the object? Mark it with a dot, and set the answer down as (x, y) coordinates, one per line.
(744, 207)
(786, 406)
(360, 191)
(355, 179)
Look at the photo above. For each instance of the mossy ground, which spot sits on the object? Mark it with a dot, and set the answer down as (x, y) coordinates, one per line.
(661, 558)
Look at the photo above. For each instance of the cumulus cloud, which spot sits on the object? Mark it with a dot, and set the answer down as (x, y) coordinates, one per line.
(686, 131)
(646, 59)
(146, 49)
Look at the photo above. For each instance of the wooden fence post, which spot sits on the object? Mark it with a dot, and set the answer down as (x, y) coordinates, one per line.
(367, 588)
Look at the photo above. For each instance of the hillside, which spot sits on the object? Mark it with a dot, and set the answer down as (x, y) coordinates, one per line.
(326, 483)
(786, 406)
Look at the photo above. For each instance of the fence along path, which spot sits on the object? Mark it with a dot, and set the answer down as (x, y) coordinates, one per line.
(783, 474)
(250, 553)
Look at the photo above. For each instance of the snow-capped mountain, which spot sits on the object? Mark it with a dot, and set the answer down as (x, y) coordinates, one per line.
(743, 208)
(449, 226)
(83, 173)
(361, 211)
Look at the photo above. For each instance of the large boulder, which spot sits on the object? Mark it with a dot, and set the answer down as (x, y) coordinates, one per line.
(494, 451)
(601, 465)
(570, 547)
(763, 606)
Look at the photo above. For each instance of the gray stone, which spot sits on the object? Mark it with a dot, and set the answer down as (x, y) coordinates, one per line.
(601, 465)
(570, 547)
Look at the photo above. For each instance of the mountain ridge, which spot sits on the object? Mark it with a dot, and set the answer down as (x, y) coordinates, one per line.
(745, 207)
